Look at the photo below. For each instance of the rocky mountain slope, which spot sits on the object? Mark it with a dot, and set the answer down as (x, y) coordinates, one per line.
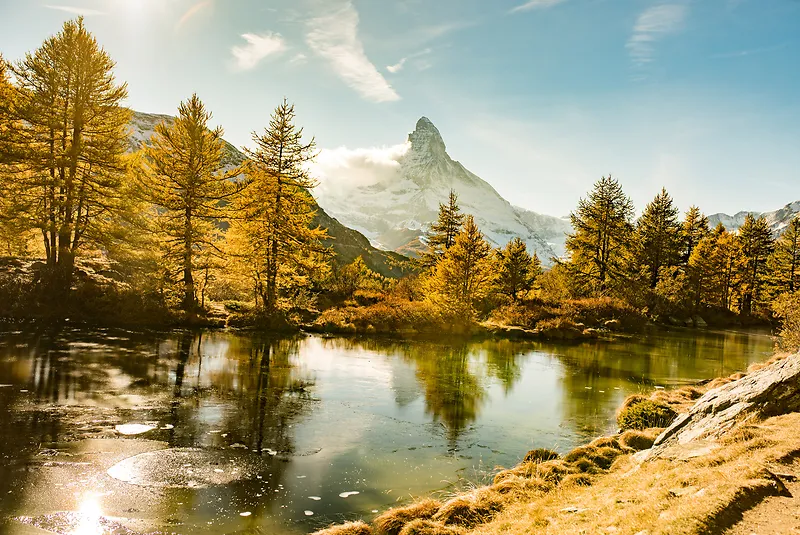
(778, 220)
(396, 208)
(347, 243)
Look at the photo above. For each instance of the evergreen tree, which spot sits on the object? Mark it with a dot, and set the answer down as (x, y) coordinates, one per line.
(464, 275)
(444, 230)
(694, 229)
(603, 229)
(275, 240)
(757, 245)
(657, 238)
(183, 177)
(784, 265)
(516, 269)
(67, 180)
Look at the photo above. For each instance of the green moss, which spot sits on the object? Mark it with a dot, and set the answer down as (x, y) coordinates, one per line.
(645, 414)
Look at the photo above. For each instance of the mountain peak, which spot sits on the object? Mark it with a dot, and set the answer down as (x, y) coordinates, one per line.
(426, 137)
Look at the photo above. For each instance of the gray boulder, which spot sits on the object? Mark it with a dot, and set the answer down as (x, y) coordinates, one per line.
(770, 391)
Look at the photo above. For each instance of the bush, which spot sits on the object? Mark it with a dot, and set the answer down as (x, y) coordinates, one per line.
(645, 414)
(391, 316)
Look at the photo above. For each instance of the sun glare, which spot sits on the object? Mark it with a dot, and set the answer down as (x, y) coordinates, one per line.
(89, 514)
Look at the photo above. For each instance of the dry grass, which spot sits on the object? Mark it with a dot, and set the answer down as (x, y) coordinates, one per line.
(394, 520)
(351, 528)
(640, 440)
(540, 455)
(662, 497)
(429, 527)
(471, 509)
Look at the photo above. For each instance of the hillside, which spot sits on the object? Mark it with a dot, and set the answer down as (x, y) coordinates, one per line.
(778, 219)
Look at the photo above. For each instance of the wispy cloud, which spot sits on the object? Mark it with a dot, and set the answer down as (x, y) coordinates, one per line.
(652, 25)
(397, 67)
(750, 52)
(334, 37)
(420, 65)
(76, 10)
(536, 4)
(257, 48)
(192, 11)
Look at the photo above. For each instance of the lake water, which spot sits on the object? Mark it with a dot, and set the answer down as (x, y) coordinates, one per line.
(125, 433)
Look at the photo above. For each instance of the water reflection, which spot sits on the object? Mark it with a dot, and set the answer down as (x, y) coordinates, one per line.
(286, 419)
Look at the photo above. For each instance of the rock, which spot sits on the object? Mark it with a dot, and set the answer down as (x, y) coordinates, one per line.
(613, 325)
(591, 333)
(770, 391)
(699, 322)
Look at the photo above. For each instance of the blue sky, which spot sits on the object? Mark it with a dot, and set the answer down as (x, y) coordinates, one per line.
(538, 98)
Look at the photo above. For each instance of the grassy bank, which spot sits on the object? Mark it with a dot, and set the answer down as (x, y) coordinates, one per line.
(602, 487)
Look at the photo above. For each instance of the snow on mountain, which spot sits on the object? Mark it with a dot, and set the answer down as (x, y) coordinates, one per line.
(778, 220)
(392, 195)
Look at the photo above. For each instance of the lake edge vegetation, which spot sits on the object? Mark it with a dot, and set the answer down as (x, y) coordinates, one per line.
(176, 233)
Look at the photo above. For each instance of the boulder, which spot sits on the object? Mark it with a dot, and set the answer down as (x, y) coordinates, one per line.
(770, 391)
(613, 325)
(700, 322)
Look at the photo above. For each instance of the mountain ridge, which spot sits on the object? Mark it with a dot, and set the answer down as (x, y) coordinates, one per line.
(402, 204)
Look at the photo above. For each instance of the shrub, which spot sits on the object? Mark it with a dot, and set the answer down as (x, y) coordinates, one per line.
(645, 414)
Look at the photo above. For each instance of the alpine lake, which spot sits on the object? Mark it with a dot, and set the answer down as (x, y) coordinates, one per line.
(120, 432)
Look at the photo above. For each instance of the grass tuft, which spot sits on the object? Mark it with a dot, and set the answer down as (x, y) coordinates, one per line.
(392, 521)
(351, 528)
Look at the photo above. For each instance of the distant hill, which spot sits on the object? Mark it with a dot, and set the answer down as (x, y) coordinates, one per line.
(778, 219)
(348, 244)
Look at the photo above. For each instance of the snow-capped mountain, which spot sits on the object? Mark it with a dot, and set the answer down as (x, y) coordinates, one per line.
(394, 197)
(778, 220)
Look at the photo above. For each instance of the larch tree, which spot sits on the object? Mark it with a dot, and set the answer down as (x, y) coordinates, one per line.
(445, 229)
(273, 234)
(67, 181)
(602, 230)
(694, 228)
(784, 265)
(757, 245)
(716, 268)
(465, 273)
(516, 269)
(183, 176)
(657, 238)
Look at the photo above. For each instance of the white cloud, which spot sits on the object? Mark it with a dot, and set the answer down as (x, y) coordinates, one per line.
(349, 168)
(654, 24)
(76, 10)
(335, 37)
(257, 48)
(536, 4)
(397, 67)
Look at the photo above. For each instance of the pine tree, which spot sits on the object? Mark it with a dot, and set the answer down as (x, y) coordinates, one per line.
(517, 270)
(757, 245)
(183, 177)
(443, 232)
(694, 229)
(276, 243)
(657, 238)
(784, 265)
(603, 229)
(66, 181)
(464, 275)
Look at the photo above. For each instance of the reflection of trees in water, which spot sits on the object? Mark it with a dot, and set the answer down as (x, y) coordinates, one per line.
(248, 390)
(451, 375)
